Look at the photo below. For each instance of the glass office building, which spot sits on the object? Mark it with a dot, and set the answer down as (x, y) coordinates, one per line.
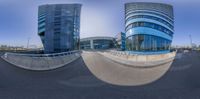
(120, 39)
(149, 26)
(97, 43)
(59, 26)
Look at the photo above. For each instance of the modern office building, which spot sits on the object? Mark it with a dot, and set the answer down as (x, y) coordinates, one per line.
(149, 26)
(120, 39)
(97, 43)
(59, 26)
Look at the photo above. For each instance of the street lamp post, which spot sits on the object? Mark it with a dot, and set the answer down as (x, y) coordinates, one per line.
(190, 40)
(28, 42)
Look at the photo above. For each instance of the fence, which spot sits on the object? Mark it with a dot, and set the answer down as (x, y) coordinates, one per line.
(41, 61)
(138, 57)
(138, 60)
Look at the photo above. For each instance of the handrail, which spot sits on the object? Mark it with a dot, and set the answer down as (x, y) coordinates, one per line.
(145, 57)
(43, 55)
(137, 60)
(41, 61)
(126, 53)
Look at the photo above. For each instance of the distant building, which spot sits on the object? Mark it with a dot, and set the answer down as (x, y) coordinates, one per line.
(120, 41)
(97, 43)
(59, 26)
(149, 26)
(193, 46)
(11, 48)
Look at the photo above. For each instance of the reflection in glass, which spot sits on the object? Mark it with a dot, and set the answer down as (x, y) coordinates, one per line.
(147, 43)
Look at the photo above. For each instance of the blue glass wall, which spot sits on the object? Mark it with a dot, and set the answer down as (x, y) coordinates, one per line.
(103, 44)
(149, 26)
(97, 44)
(59, 26)
(123, 41)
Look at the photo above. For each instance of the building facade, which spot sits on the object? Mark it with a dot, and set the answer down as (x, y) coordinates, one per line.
(97, 43)
(120, 41)
(59, 26)
(149, 26)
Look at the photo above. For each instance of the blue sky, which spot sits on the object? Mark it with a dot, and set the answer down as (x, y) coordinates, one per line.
(18, 19)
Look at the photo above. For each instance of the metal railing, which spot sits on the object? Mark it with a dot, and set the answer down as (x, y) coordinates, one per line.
(43, 55)
(118, 53)
(147, 58)
(41, 61)
(114, 52)
(138, 60)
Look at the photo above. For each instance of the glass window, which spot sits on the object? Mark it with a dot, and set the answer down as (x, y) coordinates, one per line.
(150, 25)
(151, 17)
(147, 43)
(151, 13)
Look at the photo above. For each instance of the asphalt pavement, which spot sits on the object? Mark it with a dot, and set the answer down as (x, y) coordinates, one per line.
(75, 81)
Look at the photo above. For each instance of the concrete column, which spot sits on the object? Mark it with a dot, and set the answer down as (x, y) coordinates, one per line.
(91, 44)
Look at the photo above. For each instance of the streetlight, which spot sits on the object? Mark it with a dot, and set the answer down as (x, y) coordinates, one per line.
(28, 42)
(190, 40)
